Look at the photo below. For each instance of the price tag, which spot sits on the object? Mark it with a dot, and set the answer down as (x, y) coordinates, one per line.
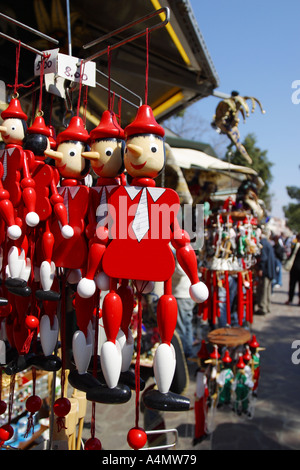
(67, 67)
(50, 64)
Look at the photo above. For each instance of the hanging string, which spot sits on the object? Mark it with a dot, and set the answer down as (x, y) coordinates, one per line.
(80, 86)
(16, 84)
(108, 67)
(119, 109)
(138, 358)
(63, 334)
(147, 66)
(33, 305)
(41, 82)
(17, 67)
(95, 365)
(113, 101)
(85, 101)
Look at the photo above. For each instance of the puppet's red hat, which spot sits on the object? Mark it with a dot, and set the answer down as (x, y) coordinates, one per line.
(39, 127)
(108, 127)
(144, 123)
(14, 110)
(74, 131)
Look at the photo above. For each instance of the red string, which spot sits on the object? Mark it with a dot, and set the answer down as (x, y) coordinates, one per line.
(113, 101)
(147, 66)
(63, 334)
(137, 363)
(17, 66)
(85, 100)
(93, 419)
(80, 86)
(41, 81)
(119, 109)
(16, 84)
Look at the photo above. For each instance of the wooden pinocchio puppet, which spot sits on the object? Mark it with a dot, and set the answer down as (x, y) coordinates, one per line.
(18, 182)
(139, 251)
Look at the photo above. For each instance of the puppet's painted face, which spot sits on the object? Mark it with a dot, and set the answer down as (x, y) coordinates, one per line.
(12, 131)
(144, 155)
(106, 157)
(68, 159)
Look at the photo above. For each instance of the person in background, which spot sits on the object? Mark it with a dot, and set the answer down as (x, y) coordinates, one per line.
(185, 305)
(294, 262)
(266, 274)
(279, 252)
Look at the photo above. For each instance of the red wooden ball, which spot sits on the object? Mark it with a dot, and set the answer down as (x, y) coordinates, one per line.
(33, 404)
(32, 322)
(6, 432)
(62, 407)
(93, 444)
(3, 407)
(136, 438)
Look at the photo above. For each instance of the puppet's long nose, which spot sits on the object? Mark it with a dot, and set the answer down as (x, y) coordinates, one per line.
(135, 150)
(58, 156)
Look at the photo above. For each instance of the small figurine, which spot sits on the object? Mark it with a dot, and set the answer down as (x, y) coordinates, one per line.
(255, 363)
(224, 380)
(201, 396)
(242, 385)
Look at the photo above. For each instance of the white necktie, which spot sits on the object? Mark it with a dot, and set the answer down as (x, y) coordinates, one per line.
(141, 224)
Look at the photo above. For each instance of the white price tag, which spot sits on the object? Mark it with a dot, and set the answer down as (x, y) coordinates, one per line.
(69, 68)
(50, 63)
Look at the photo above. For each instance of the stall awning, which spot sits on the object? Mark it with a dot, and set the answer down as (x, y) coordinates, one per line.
(181, 70)
(190, 158)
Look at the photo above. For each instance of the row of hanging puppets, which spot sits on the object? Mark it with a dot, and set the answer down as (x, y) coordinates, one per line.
(55, 236)
(60, 235)
(230, 250)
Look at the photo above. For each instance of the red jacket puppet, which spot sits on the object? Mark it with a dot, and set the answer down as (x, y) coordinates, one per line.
(17, 181)
(106, 156)
(49, 202)
(145, 221)
(72, 254)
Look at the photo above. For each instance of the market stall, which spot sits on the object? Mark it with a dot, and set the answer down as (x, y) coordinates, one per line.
(80, 166)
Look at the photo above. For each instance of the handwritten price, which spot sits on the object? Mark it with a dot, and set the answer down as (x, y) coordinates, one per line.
(76, 75)
(66, 66)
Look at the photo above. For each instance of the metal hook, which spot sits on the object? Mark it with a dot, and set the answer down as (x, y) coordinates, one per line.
(122, 86)
(162, 431)
(116, 94)
(164, 10)
(16, 41)
(22, 25)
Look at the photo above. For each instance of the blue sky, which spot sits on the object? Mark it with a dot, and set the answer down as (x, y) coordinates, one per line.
(255, 48)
